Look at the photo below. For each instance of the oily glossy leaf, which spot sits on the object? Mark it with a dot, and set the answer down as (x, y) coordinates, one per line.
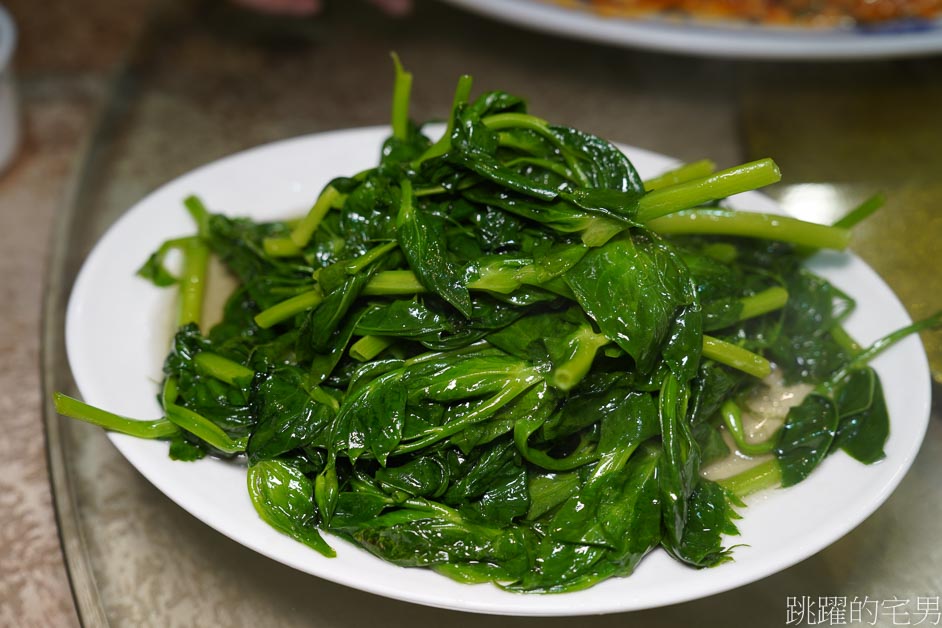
(864, 420)
(426, 476)
(181, 448)
(354, 509)
(371, 419)
(806, 438)
(714, 384)
(680, 463)
(413, 538)
(506, 499)
(601, 531)
(804, 349)
(287, 417)
(710, 516)
(634, 289)
(420, 236)
(684, 343)
(604, 166)
(284, 498)
(328, 316)
(710, 440)
(599, 395)
(409, 318)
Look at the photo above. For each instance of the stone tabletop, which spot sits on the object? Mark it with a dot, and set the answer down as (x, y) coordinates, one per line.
(64, 63)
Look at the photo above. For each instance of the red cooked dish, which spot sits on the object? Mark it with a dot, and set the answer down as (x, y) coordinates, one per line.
(803, 12)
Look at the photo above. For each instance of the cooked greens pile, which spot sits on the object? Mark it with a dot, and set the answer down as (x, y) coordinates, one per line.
(504, 356)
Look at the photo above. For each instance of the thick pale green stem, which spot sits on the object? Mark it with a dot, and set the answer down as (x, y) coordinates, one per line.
(368, 347)
(394, 283)
(585, 343)
(500, 121)
(75, 409)
(732, 417)
(686, 172)
(673, 198)
(402, 89)
(199, 214)
(736, 357)
(288, 308)
(439, 148)
(765, 475)
(280, 247)
(752, 225)
(760, 303)
(193, 281)
(302, 232)
(205, 429)
(881, 345)
(861, 212)
(223, 369)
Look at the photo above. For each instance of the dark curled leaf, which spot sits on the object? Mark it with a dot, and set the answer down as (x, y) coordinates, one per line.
(413, 538)
(426, 476)
(183, 449)
(864, 420)
(420, 236)
(284, 498)
(408, 318)
(721, 313)
(710, 440)
(371, 419)
(618, 204)
(493, 102)
(805, 349)
(505, 500)
(323, 364)
(474, 147)
(806, 438)
(324, 320)
(684, 344)
(710, 516)
(605, 166)
(714, 384)
(355, 509)
(680, 463)
(602, 531)
(155, 271)
(560, 215)
(287, 417)
(633, 288)
(481, 472)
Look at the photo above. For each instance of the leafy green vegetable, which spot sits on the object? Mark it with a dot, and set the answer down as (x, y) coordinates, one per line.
(486, 355)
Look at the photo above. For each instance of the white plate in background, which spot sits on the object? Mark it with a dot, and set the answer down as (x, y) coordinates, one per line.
(716, 39)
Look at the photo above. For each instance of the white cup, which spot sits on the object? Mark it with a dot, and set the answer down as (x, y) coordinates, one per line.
(9, 114)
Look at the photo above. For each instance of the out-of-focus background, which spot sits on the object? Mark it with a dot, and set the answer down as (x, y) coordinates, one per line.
(119, 97)
(66, 58)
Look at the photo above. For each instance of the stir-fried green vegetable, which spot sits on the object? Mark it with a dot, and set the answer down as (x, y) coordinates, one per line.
(504, 356)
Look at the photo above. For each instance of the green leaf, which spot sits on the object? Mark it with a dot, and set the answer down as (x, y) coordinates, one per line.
(288, 418)
(421, 239)
(806, 437)
(284, 498)
(634, 289)
(864, 420)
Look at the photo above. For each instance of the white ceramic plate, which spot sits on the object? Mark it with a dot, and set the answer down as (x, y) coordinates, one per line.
(715, 39)
(118, 329)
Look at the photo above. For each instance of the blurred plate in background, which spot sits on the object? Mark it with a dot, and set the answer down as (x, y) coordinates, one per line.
(717, 39)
